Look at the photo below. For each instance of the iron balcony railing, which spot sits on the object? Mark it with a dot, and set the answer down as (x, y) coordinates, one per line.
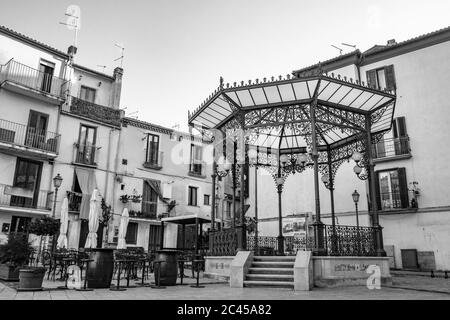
(93, 111)
(74, 199)
(143, 209)
(267, 245)
(154, 160)
(86, 154)
(391, 147)
(26, 136)
(391, 200)
(26, 198)
(26, 76)
(197, 168)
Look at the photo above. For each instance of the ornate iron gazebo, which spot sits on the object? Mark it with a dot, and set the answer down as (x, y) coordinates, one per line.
(289, 124)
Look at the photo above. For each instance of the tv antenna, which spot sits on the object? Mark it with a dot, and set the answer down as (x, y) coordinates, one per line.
(121, 57)
(103, 67)
(349, 45)
(73, 21)
(133, 114)
(176, 126)
(340, 50)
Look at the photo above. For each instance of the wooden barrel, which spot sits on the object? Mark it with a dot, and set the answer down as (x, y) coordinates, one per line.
(169, 267)
(100, 272)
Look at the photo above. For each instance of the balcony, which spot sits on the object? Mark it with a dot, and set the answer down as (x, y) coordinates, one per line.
(93, 111)
(197, 169)
(143, 210)
(18, 138)
(86, 154)
(23, 79)
(74, 199)
(391, 149)
(25, 198)
(154, 162)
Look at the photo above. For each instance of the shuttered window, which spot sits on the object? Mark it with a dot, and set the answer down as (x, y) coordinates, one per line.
(192, 196)
(391, 189)
(87, 94)
(382, 78)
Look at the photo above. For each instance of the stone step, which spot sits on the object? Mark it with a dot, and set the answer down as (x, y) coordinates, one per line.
(271, 284)
(272, 264)
(274, 258)
(287, 271)
(270, 277)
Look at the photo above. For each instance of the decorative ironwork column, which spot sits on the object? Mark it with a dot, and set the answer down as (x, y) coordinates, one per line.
(256, 211)
(328, 181)
(319, 227)
(213, 196)
(280, 237)
(379, 246)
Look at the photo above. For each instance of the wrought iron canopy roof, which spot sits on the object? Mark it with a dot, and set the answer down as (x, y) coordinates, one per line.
(278, 111)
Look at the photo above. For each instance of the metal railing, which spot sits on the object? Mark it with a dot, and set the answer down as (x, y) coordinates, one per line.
(143, 209)
(24, 75)
(223, 242)
(390, 200)
(86, 154)
(267, 245)
(26, 136)
(93, 111)
(391, 147)
(350, 241)
(154, 160)
(26, 198)
(197, 168)
(74, 199)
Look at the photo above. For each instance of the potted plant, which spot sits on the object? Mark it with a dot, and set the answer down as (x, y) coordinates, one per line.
(45, 226)
(13, 255)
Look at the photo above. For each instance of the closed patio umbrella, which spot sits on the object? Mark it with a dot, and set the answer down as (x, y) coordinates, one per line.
(91, 241)
(121, 244)
(62, 239)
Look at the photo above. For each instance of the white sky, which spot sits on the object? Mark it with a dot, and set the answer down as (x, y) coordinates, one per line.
(175, 51)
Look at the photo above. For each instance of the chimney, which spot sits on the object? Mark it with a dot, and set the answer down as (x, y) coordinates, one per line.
(391, 42)
(117, 87)
(72, 51)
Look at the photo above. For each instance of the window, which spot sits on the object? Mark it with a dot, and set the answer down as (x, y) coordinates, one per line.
(132, 232)
(19, 224)
(150, 200)
(152, 156)
(206, 199)
(192, 196)
(382, 78)
(27, 177)
(196, 159)
(46, 70)
(86, 145)
(392, 189)
(396, 143)
(87, 94)
(36, 130)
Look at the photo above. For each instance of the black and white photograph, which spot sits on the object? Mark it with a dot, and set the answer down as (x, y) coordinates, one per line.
(236, 153)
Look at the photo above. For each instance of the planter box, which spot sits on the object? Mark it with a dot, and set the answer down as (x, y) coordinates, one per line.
(9, 273)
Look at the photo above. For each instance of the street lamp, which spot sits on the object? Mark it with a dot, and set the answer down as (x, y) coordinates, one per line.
(57, 181)
(358, 168)
(220, 169)
(355, 196)
(279, 181)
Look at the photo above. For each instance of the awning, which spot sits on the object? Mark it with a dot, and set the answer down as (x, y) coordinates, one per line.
(189, 219)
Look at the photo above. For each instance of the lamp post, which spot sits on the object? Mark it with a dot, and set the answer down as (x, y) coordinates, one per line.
(57, 181)
(220, 170)
(280, 182)
(355, 196)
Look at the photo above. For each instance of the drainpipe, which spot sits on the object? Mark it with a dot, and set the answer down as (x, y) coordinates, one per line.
(114, 194)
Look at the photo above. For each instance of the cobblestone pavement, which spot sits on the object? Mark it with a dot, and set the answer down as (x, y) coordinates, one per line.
(215, 290)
